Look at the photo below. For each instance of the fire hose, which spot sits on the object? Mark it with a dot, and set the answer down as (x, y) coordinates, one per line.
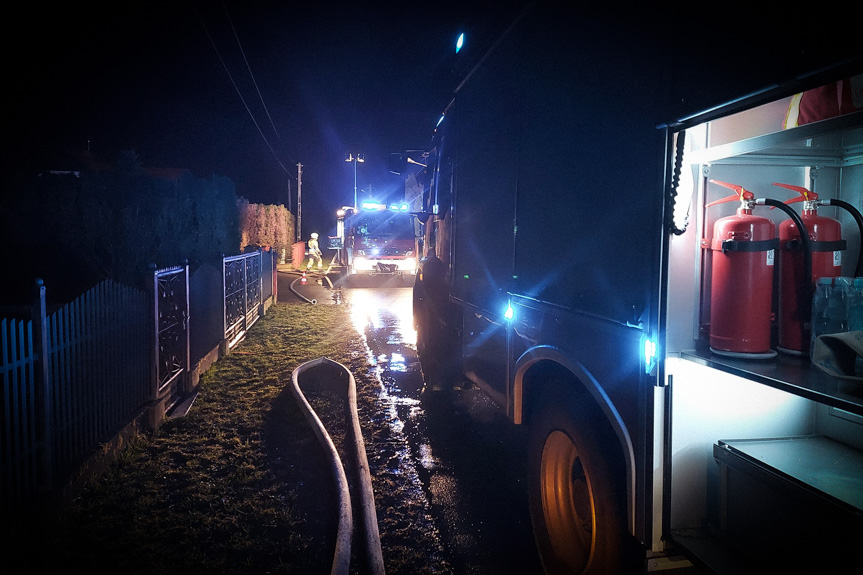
(804, 295)
(301, 296)
(342, 555)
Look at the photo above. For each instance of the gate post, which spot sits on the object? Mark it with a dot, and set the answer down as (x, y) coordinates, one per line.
(225, 342)
(156, 412)
(187, 364)
(42, 391)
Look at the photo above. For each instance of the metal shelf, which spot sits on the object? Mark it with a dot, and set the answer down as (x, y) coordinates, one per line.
(795, 375)
(837, 142)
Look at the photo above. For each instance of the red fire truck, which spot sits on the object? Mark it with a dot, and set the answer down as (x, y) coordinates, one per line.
(377, 240)
(588, 276)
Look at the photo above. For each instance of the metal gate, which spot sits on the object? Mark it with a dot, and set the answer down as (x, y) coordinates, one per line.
(243, 293)
(171, 288)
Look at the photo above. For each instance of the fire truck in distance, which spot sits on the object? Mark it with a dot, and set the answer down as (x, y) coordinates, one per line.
(376, 240)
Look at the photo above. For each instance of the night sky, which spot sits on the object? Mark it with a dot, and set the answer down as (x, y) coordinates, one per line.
(244, 90)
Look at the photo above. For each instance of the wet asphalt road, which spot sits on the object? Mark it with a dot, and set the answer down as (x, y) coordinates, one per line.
(466, 453)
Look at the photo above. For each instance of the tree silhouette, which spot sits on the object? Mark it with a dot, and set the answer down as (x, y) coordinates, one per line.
(116, 221)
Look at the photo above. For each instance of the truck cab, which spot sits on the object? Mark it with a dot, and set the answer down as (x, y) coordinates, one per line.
(379, 241)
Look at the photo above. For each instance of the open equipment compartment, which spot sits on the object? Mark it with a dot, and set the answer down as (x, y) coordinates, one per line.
(738, 422)
(793, 493)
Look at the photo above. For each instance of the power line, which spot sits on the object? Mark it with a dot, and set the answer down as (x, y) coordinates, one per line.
(236, 88)
(249, 68)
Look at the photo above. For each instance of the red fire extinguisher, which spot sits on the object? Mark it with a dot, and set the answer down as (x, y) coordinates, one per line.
(826, 244)
(741, 285)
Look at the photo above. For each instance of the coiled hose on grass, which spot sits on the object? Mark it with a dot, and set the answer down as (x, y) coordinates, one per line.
(342, 556)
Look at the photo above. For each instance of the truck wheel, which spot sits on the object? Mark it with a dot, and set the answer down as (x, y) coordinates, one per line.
(439, 354)
(576, 500)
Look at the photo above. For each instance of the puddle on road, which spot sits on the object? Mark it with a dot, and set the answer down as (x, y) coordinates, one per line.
(402, 460)
(427, 441)
(384, 317)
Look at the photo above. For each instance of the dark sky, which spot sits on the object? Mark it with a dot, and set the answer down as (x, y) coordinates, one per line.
(240, 89)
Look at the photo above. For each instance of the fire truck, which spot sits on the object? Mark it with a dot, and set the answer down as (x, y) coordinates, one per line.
(627, 215)
(376, 240)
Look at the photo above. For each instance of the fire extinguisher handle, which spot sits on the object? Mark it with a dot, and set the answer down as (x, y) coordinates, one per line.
(723, 200)
(805, 193)
(742, 193)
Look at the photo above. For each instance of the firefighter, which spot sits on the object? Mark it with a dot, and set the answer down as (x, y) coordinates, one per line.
(314, 253)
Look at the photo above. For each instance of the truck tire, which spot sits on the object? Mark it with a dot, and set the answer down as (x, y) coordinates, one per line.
(576, 494)
(436, 343)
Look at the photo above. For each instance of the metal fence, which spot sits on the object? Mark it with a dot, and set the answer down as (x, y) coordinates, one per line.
(64, 389)
(72, 380)
(243, 294)
(19, 407)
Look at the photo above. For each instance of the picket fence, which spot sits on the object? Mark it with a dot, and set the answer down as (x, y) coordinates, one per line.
(74, 379)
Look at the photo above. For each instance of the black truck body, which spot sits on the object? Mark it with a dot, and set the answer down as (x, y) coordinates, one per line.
(561, 279)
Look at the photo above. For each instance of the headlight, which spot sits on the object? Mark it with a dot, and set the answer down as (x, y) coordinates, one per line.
(362, 264)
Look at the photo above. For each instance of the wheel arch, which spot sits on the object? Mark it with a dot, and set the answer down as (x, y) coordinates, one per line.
(542, 361)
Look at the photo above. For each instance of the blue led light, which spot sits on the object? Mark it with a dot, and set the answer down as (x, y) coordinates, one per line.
(509, 313)
(649, 355)
(459, 43)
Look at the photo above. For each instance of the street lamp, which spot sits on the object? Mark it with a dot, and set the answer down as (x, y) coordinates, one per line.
(355, 159)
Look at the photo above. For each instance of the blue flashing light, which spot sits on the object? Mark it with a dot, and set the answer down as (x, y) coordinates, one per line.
(650, 355)
(440, 120)
(459, 43)
(509, 313)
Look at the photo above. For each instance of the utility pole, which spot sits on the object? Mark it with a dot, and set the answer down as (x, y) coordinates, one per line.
(299, 202)
(355, 159)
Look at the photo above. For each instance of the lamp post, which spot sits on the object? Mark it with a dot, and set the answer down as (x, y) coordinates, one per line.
(355, 159)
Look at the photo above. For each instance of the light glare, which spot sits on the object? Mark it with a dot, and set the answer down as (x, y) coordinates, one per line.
(649, 355)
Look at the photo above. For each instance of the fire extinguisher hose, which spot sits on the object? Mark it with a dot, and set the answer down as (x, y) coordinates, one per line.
(804, 303)
(855, 213)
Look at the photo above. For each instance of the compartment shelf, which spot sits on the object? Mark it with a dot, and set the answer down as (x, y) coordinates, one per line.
(788, 493)
(795, 375)
(836, 142)
(828, 469)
